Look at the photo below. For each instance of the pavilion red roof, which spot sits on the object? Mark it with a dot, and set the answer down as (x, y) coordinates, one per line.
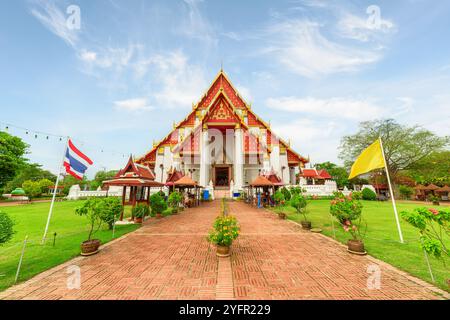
(261, 181)
(134, 174)
(272, 177)
(175, 175)
(185, 182)
(324, 174)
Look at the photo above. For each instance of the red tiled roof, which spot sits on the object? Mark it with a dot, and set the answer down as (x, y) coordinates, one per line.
(324, 174)
(261, 181)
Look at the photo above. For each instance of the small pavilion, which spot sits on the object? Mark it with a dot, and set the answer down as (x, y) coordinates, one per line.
(187, 184)
(272, 177)
(137, 180)
(261, 186)
(174, 175)
(443, 192)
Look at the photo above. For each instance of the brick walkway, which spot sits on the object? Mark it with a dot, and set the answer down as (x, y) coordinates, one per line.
(171, 259)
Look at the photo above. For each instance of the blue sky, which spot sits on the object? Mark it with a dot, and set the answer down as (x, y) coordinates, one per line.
(314, 69)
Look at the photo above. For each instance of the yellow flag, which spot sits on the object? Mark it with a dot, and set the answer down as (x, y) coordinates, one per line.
(370, 159)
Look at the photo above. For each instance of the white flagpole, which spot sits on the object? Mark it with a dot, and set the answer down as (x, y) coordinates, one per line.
(392, 193)
(54, 193)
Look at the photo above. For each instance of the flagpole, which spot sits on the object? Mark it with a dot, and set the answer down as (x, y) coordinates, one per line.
(54, 193)
(392, 193)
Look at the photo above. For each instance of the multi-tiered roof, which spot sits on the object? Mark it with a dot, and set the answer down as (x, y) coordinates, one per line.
(221, 105)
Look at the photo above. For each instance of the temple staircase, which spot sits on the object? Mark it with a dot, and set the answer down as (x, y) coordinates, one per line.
(221, 193)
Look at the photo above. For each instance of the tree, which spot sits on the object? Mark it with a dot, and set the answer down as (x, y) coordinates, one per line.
(404, 146)
(12, 151)
(406, 192)
(29, 171)
(6, 228)
(45, 184)
(111, 208)
(32, 189)
(69, 181)
(434, 168)
(101, 176)
(339, 174)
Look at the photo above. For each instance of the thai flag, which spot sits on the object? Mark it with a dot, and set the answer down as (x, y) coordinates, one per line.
(76, 162)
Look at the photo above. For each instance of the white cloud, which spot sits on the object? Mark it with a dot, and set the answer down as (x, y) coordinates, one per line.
(180, 81)
(88, 56)
(54, 20)
(357, 28)
(137, 104)
(338, 107)
(316, 139)
(300, 46)
(196, 26)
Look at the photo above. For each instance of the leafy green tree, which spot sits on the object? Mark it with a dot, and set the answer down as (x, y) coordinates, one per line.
(299, 203)
(286, 193)
(405, 192)
(32, 189)
(45, 184)
(12, 151)
(101, 176)
(404, 146)
(175, 199)
(434, 168)
(157, 203)
(110, 210)
(339, 174)
(29, 171)
(69, 181)
(6, 228)
(92, 209)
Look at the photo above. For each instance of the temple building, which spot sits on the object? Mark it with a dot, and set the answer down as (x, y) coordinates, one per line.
(223, 144)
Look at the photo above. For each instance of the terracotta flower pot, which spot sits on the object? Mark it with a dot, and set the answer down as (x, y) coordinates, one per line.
(138, 220)
(90, 247)
(356, 247)
(306, 225)
(223, 251)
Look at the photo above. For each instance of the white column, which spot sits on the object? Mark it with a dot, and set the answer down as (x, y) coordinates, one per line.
(204, 158)
(238, 159)
(275, 159)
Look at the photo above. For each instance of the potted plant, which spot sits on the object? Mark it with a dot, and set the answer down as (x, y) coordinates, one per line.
(347, 210)
(174, 200)
(226, 229)
(91, 209)
(433, 199)
(280, 200)
(157, 204)
(298, 201)
(111, 209)
(140, 211)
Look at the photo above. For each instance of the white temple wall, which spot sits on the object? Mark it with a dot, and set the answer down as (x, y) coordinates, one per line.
(284, 169)
(275, 159)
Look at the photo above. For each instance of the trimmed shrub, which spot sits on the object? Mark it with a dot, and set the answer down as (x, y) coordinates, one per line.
(174, 200)
(286, 193)
(279, 198)
(157, 203)
(368, 194)
(141, 210)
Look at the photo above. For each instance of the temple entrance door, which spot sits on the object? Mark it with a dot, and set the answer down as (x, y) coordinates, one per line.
(222, 177)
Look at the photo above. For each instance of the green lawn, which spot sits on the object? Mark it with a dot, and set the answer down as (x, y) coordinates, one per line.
(382, 239)
(30, 220)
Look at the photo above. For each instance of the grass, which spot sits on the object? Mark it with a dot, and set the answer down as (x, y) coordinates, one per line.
(30, 220)
(381, 238)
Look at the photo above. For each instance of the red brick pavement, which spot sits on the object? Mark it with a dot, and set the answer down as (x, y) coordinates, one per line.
(171, 259)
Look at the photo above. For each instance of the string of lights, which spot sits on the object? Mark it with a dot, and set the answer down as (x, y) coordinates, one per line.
(50, 136)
